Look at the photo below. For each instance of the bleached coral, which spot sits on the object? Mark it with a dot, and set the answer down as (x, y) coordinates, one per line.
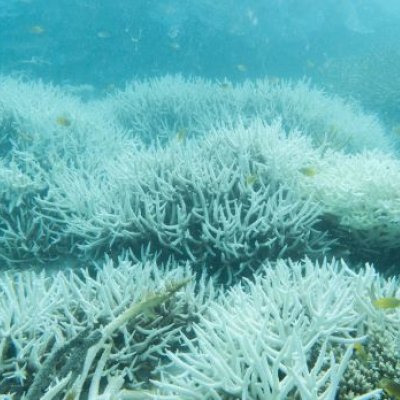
(229, 196)
(193, 201)
(287, 333)
(273, 338)
(361, 191)
(47, 318)
(22, 237)
(358, 193)
(45, 121)
(157, 109)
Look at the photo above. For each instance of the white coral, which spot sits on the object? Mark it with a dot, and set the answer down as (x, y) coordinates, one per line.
(272, 337)
(43, 312)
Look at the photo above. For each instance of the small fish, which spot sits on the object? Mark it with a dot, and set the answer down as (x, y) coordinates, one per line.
(63, 121)
(310, 64)
(103, 35)
(37, 29)
(391, 387)
(251, 180)
(174, 46)
(308, 171)
(110, 88)
(386, 302)
(181, 135)
(241, 67)
(225, 85)
(396, 130)
(360, 351)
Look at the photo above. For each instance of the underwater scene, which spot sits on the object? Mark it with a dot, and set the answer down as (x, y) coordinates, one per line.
(199, 200)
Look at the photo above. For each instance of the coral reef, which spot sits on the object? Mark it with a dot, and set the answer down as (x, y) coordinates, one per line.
(381, 361)
(258, 340)
(357, 193)
(172, 177)
(53, 327)
(158, 109)
(142, 331)
(200, 208)
(92, 187)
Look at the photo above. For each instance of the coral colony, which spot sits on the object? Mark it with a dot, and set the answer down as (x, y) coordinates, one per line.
(188, 239)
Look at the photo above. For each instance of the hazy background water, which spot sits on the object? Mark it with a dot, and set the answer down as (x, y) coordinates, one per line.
(349, 46)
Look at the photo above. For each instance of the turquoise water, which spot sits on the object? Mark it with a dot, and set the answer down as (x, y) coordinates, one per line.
(103, 43)
(199, 199)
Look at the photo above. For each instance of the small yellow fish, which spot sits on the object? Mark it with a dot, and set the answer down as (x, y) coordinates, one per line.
(241, 67)
(360, 351)
(386, 302)
(63, 121)
(251, 180)
(308, 171)
(37, 29)
(391, 387)
(181, 135)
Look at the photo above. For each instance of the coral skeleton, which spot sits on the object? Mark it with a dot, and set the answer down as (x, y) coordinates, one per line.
(225, 192)
(178, 183)
(161, 107)
(54, 327)
(289, 332)
(273, 337)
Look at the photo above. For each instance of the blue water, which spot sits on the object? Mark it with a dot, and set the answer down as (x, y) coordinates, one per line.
(102, 42)
(85, 168)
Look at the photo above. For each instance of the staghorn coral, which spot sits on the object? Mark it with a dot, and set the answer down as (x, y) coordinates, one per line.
(229, 197)
(157, 109)
(287, 333)
(47, 122)
(53, 328)
(276, 337)
(200, 207)
(357, 194)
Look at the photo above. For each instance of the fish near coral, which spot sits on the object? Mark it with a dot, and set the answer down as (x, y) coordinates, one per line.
(63, 121)
(360, 351)
(391, 387)
(251, 180)
(308, 171)
(181, 135)
(384, 303)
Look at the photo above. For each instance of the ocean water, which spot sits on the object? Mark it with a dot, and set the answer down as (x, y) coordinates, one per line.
(199, 199)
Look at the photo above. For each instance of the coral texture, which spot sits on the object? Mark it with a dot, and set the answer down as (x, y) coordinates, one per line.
(53, 327)
(228, 191)
(273, 338)
(131, 331)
